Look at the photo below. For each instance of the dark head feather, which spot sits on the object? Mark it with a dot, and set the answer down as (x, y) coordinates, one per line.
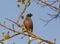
(29, 15)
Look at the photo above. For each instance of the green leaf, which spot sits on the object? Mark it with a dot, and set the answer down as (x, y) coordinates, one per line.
(6, 36)
(22, 17)
(12, 26)
(18, 6)
(22, 37)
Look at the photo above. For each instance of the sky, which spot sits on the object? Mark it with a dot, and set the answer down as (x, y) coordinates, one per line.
(8, 9)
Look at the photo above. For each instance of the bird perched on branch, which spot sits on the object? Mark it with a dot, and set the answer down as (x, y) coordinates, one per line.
(28, 22)
(28, 25)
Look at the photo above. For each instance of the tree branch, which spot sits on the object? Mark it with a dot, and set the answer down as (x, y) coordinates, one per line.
(23, 11)
(32, 34)
(50, 5)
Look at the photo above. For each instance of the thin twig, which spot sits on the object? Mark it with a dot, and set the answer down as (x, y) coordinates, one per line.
(13, 22)
(32, 34)
(21, 14)
(1, 42)
(50, 5)
(11, 36)
(23, 11)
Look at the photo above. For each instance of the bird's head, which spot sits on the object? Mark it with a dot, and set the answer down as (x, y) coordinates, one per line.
(29, 15)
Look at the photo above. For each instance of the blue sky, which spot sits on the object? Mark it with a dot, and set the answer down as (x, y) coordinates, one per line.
(8, 8)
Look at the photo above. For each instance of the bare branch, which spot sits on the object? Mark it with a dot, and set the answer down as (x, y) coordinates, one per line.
(11, 36)
(1, 42)
(23, 11)
(14, 22)
(32, 34)
(50, 5)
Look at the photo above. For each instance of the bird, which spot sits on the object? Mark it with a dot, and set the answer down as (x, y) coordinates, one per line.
(28, 23)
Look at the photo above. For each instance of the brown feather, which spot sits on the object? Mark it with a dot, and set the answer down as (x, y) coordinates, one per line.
(28, 23)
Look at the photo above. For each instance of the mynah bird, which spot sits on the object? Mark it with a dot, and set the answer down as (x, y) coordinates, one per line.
(28, 22)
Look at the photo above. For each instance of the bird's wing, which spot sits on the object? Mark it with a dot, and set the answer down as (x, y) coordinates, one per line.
(28, 23)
